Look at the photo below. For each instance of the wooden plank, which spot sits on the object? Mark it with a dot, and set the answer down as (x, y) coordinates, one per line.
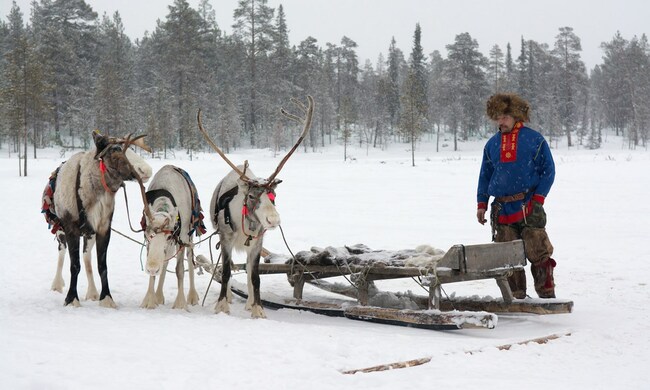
(532, 306)
(453, 258)
(483, 257)
(274, 268)
(429, 319)
(529, 305)
(417, 362)
(390, 366)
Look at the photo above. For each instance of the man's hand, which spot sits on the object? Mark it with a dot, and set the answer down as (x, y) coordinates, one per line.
(480, 215)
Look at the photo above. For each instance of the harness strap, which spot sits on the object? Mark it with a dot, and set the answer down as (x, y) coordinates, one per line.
(47, 209)
(152, 195)
(222, 204)
(196, 219)
(102, 173)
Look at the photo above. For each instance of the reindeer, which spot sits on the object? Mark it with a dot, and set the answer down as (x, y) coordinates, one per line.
(143, 169)
(84, 200)
(172, 216)
(242, 208)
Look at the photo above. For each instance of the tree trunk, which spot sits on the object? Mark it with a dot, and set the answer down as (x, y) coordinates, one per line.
(413, 149)
(25, 118)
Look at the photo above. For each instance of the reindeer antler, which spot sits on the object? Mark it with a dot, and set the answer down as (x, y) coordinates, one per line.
(242, 175)
(126, 142)
(138, 141)
(306, 121)
(307, 111)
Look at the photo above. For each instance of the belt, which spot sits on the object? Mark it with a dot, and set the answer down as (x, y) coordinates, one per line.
(511, 198)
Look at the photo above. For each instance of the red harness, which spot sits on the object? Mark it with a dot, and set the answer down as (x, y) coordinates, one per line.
(245, 212)
(102, 171)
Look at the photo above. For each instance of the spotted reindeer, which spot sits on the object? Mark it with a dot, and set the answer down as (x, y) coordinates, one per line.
(79, 202)
(242, 208)
(172, 216)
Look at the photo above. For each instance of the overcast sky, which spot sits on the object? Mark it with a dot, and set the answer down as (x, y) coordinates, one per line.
(372, 23)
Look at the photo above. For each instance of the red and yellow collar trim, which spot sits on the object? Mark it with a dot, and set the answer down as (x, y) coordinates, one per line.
(509, 143)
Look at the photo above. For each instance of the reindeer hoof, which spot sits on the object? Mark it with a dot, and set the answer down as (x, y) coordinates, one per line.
(222, 307)
(180, 303)
(149, 303)
(92, 295)
(257, 312)
(108, 302)
(74, 303)
(193, 298)
(57, 285)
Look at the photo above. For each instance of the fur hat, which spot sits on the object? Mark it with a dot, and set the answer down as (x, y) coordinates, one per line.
(507, 104)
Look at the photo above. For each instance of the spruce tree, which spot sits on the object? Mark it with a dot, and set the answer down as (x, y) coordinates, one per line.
(253, 24)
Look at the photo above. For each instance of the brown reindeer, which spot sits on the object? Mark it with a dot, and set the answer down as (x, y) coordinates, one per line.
(242, 209)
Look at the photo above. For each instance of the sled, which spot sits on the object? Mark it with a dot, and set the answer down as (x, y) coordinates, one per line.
(423, 319)
(432, 268)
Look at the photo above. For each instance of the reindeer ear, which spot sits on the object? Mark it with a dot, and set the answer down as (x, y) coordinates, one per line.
(100, 141)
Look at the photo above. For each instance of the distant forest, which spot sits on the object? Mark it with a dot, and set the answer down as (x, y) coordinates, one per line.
(66, 71)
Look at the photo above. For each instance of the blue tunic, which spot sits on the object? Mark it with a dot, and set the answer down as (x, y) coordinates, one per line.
(531, 170)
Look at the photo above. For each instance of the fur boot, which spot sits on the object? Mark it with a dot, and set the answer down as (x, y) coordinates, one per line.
(517, 282)
(543, 276)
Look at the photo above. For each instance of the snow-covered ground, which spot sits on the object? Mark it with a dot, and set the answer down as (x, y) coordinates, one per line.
(598, 222)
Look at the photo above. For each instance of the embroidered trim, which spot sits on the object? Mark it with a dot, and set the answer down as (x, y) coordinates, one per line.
(509, 143)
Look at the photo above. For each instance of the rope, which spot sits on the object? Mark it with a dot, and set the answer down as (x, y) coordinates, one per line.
(305, 269)
(207, 238)
(287, 245)
(127, 237)
(214, 270)
(128, 213)
(419, 283)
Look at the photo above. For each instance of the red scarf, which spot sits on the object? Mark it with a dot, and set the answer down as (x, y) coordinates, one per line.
(509, 143)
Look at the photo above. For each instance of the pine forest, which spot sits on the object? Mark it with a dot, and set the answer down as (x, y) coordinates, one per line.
(65, 70)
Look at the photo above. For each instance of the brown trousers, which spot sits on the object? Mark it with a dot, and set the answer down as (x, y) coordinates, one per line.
(538, 249)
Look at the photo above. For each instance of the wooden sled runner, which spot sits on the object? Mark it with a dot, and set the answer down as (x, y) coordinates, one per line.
(424, 319)
(433, 268)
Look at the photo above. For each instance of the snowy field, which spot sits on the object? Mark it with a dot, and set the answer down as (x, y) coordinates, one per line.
(598, 222)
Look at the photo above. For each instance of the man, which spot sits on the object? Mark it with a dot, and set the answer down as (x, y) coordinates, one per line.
(518, 171)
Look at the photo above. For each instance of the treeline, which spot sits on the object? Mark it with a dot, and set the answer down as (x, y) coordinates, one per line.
(67, 71)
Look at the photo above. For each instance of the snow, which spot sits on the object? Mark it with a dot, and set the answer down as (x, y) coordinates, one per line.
(598, 222)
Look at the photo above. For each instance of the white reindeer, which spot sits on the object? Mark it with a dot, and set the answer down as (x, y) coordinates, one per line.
(143, 169)
(83, 202)
(242, 208)
(175, 215)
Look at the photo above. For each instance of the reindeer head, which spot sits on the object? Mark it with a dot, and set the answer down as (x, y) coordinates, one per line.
(160, 234)
(259, 202)
(119, 159)
(259, 194)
